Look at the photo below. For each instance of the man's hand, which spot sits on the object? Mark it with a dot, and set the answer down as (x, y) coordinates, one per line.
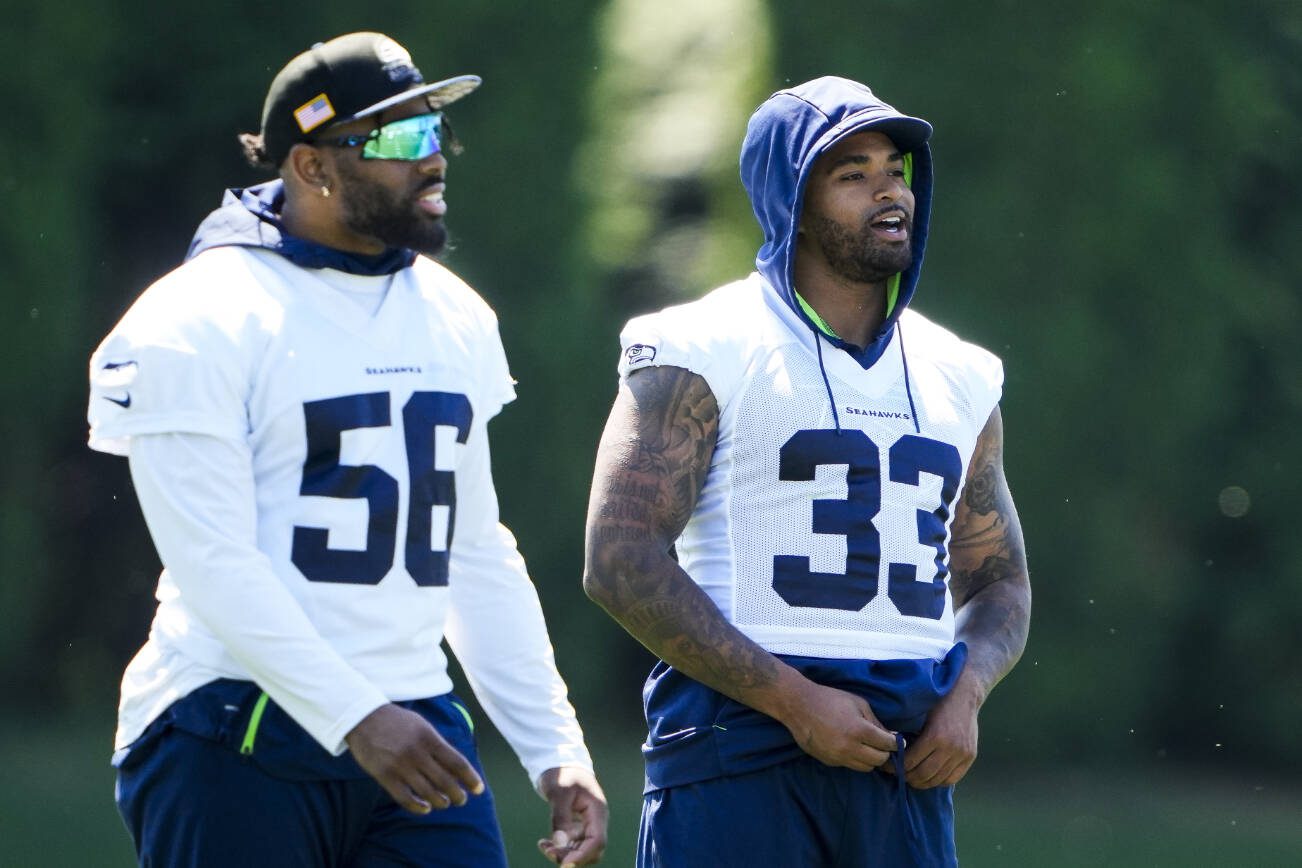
(992, 610)
(578, 817)
(947, 746)
(837, 728)
(654, 457)
(411, 761)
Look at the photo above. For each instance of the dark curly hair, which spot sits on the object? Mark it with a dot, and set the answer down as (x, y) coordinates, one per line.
(255, 152)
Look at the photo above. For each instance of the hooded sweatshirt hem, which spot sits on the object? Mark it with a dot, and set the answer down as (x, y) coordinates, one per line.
(250, 217)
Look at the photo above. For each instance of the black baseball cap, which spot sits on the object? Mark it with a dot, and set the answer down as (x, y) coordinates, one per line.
(351, 76)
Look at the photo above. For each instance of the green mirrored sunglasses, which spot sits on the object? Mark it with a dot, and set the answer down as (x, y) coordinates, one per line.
(413, 138)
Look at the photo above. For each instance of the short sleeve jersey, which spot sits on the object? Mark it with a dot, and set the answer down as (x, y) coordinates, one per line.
(823, 524)
(356, 425)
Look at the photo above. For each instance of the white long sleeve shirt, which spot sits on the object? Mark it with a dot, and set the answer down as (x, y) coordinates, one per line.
(316, 478)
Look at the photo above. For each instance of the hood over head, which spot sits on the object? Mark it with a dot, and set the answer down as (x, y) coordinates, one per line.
(785, 137)
(251, 218)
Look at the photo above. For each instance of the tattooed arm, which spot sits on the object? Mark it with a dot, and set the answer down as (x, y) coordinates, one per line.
(992, 608)
(652, 462)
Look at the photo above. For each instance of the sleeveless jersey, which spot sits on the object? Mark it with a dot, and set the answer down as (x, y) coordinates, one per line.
(822, 527)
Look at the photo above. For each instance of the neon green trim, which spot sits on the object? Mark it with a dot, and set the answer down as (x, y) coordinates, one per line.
(892, 296)
(813, 315)
(464, 713)
(255, 720)
(893, 282)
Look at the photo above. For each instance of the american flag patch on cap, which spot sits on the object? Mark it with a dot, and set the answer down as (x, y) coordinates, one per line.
(314, 113)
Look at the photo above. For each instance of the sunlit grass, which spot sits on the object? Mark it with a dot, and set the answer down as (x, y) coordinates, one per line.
(56, 809)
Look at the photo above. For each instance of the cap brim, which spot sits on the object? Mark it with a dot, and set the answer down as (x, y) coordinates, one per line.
(438, 94)
(906, 132)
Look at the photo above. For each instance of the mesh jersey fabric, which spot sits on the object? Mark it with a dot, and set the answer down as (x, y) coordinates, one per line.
(762, 368)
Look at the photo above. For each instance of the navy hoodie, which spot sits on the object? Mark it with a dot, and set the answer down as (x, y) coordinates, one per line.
(251, 218)
(696, 733)
(785, 137)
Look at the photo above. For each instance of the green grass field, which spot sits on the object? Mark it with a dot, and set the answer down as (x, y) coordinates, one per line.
(56, 809)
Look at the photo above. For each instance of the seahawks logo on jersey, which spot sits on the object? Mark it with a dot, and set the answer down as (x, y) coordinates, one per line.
(640, 354)
(824, 533)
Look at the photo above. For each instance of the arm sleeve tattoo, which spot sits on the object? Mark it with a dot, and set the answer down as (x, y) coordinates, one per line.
(988, 572)
(651, 465)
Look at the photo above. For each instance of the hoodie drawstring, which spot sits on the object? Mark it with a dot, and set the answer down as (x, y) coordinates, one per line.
(905, 804)
(908, 388)
(908, 383)
(836, 419)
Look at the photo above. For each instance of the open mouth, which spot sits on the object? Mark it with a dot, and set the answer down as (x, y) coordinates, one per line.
(892, 225)
(432, 202)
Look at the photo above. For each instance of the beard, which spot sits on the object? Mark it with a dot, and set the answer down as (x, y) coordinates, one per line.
(375, 211)
(859, 255)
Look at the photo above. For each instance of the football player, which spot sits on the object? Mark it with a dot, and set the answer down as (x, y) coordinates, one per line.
(800, 507)
(304, 405)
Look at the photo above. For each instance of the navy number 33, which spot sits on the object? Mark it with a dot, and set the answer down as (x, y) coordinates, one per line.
(853, 517)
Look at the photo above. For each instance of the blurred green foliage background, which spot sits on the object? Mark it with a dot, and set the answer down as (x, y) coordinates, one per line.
(1116, 215)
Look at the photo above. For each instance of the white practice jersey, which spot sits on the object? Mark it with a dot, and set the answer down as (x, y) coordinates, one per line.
(372, 524)
(812, 540)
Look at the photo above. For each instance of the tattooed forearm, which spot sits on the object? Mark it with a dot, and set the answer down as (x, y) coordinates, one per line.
(689, 633)
(615, 533)
(988, 573)
(652, 463)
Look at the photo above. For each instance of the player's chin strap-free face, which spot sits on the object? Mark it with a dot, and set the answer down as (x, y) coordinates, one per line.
(892, 282)
(413, 138)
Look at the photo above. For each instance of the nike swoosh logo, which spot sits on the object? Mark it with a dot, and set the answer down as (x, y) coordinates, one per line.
(121, 402)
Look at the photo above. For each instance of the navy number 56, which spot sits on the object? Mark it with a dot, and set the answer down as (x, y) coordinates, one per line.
(324, 476)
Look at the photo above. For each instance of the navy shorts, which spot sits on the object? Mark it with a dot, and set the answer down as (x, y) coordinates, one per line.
(195, 793)
(799, 812)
